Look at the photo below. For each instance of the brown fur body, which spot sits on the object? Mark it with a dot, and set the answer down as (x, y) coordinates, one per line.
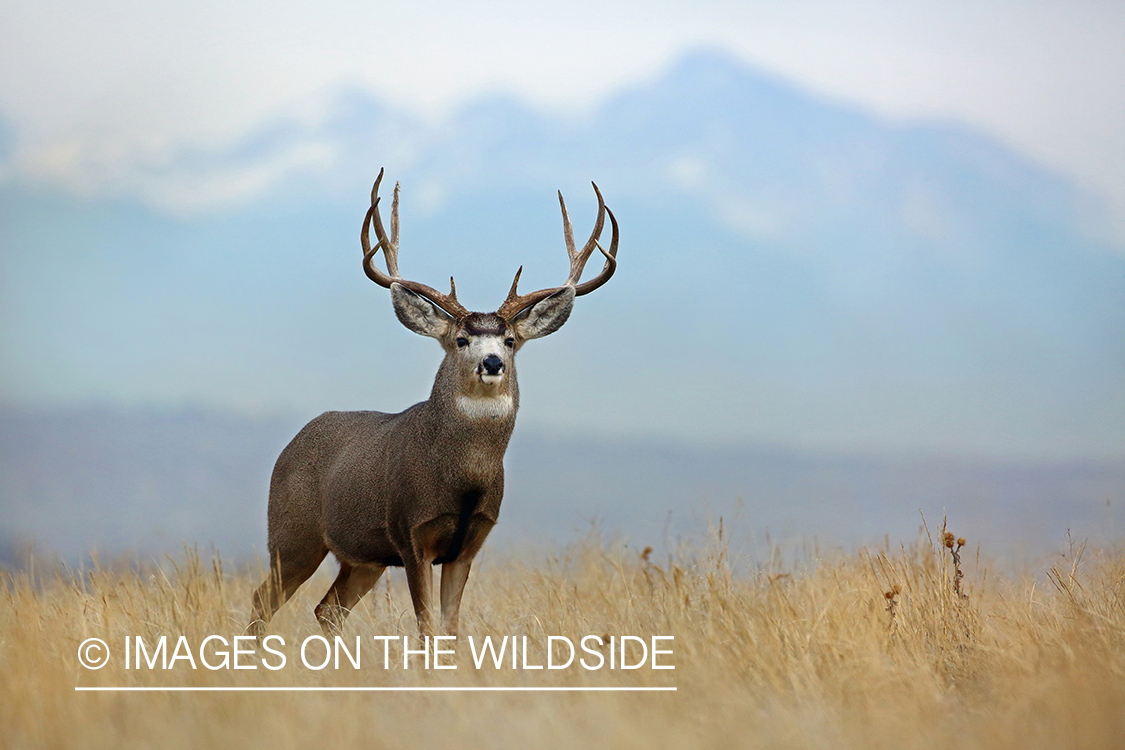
(357, 473)
(413, 489)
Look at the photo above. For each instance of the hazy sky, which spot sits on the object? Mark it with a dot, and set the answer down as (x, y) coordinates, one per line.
(96, 90)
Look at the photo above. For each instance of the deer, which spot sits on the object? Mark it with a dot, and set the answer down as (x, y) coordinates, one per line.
(422, 487)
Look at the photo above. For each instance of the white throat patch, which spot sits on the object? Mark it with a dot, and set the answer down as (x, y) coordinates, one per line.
(486, 406)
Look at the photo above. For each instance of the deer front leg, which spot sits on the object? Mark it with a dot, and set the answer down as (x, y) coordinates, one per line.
(455, 573)
(419, 577)
(453, 577)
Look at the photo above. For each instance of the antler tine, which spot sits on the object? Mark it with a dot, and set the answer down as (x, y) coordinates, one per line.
(515, 282)
(394, 229)
(568, 230)
(578, 260)
(369, 268)
(375, 187)
(517, 303)
(610, 260)
(447, 302)
(390, 246)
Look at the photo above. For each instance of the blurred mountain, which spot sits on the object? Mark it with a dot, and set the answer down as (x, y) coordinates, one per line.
(147, 481)
(793, 271)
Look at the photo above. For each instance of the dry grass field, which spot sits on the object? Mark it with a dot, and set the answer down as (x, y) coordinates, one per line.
(868, 650)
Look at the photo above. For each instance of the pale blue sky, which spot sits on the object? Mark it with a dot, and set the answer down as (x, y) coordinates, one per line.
(102, 93)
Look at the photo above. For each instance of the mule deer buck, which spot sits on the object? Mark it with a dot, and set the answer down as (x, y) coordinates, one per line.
(421, 487)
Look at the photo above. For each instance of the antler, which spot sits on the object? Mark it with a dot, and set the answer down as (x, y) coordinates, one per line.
(447, 302)
(517, 303)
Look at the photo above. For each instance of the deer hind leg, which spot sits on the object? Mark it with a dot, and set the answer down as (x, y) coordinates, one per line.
(351, 584)
(290, 569)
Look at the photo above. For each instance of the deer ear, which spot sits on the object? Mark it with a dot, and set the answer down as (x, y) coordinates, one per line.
(546, 316)
(419, 314)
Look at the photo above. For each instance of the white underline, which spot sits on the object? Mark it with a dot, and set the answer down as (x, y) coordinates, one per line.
(405, 689)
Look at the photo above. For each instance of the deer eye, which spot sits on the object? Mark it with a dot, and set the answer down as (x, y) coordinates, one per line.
(462, 342)
(509, 343)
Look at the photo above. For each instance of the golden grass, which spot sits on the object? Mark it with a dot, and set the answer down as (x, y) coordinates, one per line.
(868, 650)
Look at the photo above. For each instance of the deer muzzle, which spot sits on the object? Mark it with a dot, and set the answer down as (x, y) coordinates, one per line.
(491, 369)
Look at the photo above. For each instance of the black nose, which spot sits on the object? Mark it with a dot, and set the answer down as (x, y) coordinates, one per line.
(492, 364)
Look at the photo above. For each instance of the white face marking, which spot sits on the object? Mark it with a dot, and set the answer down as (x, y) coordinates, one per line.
(481, 346)
(487, 406)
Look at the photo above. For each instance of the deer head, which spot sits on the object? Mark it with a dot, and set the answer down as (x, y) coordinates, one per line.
(480, 347)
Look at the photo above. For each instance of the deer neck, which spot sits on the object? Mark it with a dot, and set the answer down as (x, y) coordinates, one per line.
(468, 405)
